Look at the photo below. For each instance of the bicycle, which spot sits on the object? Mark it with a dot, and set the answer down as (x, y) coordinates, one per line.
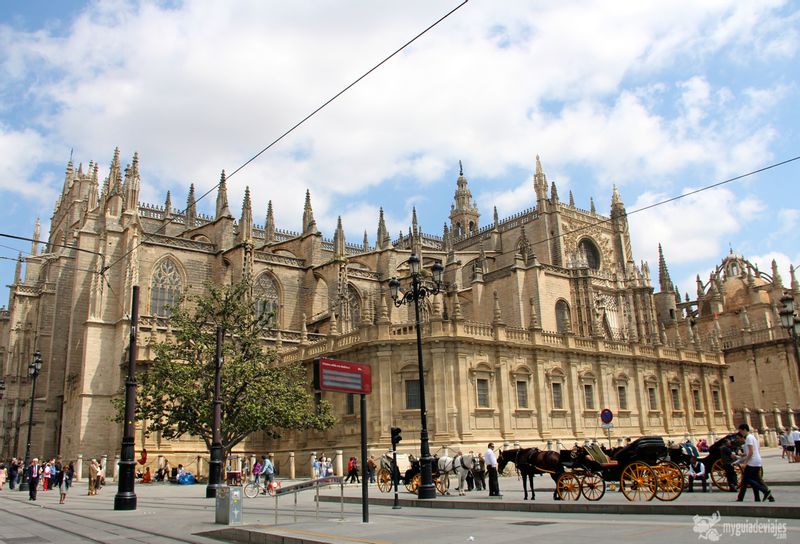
(253, 489)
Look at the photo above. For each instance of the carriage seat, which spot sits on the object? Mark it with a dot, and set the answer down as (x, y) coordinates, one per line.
(600, 457)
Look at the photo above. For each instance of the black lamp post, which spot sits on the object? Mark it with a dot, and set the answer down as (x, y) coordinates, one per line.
(215, 466)
(419, 290)
(34, 367)
(792, 324)
(125, 499)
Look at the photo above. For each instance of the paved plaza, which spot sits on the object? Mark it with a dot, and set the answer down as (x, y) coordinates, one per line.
(172, 513)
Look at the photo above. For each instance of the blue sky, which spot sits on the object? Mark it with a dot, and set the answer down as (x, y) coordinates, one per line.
(659, 98)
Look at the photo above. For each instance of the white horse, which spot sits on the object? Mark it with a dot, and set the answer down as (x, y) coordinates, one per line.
(460, 465)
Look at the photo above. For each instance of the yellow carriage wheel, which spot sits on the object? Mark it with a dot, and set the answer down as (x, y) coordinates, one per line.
(384, 480)
(638, 482)
(670, 481)
(593, 487)
(568, 487)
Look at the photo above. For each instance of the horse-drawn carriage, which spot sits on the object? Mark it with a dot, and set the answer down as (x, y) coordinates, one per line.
(641, 468)
(408, 474)
(715, 467)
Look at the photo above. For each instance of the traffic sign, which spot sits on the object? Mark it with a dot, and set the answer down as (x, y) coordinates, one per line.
(607, 425)
(606, 416)
(342, 376)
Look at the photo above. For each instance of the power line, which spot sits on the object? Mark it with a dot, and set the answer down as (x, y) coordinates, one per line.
(298, 124)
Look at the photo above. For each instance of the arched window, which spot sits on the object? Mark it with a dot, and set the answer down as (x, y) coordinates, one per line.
(165, 288)
(588, 248)
(265, 295)
(563, 322)
(354, 305)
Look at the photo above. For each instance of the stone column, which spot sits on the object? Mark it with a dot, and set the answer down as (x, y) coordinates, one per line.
(790, 416)
(747, 418)
(778, 420)
(292, 469)
(116, 468)
(104, 463)
(311, 465)
(338, 463)
(200, 468)
(79, 468)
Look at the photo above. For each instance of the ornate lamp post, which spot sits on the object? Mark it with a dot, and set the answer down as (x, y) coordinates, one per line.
(792, 324)
(215, 466)
(125, 499)
(419, 290)
(34, 367)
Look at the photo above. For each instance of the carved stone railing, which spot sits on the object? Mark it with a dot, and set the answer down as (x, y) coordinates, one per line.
(264, 257)
(185, 243)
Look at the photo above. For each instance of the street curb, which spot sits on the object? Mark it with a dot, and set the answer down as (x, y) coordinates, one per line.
(653, 508)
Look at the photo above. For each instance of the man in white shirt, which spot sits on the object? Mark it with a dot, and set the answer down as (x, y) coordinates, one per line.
(752, 466)
(794, 440)
(491, 468)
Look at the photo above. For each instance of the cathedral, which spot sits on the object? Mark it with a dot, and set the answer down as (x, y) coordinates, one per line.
(543, 319)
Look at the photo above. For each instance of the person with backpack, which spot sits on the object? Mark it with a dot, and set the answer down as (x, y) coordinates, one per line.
(257, 471)
(267, 470)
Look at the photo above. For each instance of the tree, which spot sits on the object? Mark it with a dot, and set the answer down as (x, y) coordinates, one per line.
(176, 391)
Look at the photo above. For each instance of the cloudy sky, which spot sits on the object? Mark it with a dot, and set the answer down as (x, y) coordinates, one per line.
(659, 98)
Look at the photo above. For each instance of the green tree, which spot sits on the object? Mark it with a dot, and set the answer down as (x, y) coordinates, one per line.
(176, 392)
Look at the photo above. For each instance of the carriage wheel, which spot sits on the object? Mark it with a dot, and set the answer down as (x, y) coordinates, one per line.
(670, 481)
(638, 482)
(593, 487)
(384, 480)
(568, 487)
(720, 480)
(413, 484)
(442, 483)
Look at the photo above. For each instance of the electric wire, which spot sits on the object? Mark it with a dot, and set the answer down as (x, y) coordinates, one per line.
(297, 125)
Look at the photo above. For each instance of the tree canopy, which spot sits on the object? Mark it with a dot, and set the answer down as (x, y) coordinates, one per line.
(176, 391)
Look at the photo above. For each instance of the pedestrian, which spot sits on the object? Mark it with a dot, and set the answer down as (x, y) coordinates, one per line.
(316, 466)
(267, 470)
(371, 469)
(3, 475)
(47, 473)
(257, 472)
(13, 472)
(697, 471)
(491, 468)
(34, 470)
(481, 474)
(794, 440)
(352, 471)
(783, 441)
(727, 457)
(751, 460)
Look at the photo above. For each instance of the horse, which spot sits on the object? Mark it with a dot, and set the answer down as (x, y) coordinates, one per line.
(461, 465)
(530, 462)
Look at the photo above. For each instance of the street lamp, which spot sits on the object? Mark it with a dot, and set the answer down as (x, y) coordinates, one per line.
(34, 367)
(419, 290)
(791, 323)
(215, 466)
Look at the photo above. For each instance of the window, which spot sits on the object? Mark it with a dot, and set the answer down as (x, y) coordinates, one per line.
(562, 317)
(265, 294)
(592, 254)
(412, 395)
(676, 398)
(483, 393)
(353, 306)
(522, 394)
(698, 404)
(350, 408)
(715, 399)
(558, 404)
(588, 395)
(622, 396)
(652, 398)
(165, 289)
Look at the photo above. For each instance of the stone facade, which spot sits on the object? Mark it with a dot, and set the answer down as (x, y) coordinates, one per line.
(544, 319)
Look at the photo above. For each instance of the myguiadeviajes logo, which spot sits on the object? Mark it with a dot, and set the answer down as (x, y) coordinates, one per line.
(709, 527)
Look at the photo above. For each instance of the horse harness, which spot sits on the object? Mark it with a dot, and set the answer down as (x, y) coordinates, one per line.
(461, 462)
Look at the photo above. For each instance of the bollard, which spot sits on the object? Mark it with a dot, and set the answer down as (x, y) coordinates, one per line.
(79, 468)
(291, 466)
(339, 463)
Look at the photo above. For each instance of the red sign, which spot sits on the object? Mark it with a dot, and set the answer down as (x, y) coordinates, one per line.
(342, 376)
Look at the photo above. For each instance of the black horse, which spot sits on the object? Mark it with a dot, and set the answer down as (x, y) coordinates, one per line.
(530, 462)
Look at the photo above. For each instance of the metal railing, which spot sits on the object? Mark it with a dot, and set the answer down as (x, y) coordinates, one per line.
(308, 485)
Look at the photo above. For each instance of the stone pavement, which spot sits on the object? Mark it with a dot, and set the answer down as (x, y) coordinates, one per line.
(171, 513)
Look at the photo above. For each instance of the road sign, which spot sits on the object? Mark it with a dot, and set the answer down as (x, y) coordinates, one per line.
(606, 416)
(607, 425)
(342, 376)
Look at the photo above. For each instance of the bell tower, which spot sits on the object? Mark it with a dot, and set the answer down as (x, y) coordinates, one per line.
(463, 212)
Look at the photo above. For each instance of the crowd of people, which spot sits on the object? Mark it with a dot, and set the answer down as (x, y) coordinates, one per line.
(48, 475)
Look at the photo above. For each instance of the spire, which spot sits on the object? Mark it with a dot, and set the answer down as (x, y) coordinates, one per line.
(496, 217)
(132, 183)
(36, 233)
(540, 181)
(269, 228)
(534, 320)
(191, 208)
(777, 281)
(615, 198)
(571, 199)
(463, 212)
(553, 193)
(246, 222)
(794, 285)
(338, 241)
(366, 242)
(222, 198)
(591, 205)
(168, 207)
(700, 290)
(114, 175)
(664, 281)
(497, 316)
(18, 269)
(309, 224)
(414, 225)
(383, 240)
